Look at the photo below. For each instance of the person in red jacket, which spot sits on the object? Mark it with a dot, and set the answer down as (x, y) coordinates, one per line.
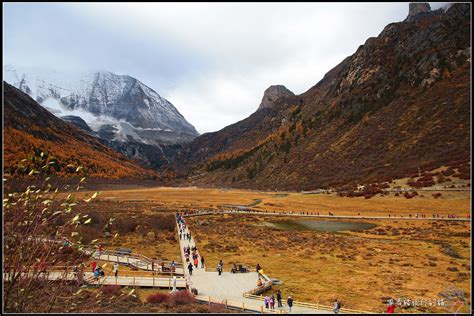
(391, 307)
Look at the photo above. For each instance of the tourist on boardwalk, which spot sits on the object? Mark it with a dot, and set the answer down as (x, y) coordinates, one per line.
(93, 265)
(190, 268)
(202, 262)
(272, 302)
(116, 266)
(266, 301)
(279, 299)
(101, 272)
(219, 267)
(289, 301)
(100, 250)
(196, 262)
(96, 274)
(258, 267)
(336, 306)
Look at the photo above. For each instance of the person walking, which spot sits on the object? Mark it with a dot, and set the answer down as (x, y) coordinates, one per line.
(266, 301)
(336, 306)
(279, 298)
(116, 266)
(190, 268)
(202, 262)
(196, 262)
(93, 265)
(219, 267)
(272, 302)
(258, 268)
(289, 301)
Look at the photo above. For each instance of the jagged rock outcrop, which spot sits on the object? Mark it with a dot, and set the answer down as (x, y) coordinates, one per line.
(78, 122)
(399, 103)
(272, 94)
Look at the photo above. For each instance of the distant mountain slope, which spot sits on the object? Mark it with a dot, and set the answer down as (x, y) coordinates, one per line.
(133, 110)
(399, 103)
(31, 134)
(123, 112)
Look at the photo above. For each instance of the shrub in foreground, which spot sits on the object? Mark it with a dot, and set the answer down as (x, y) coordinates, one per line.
(157, 298)
(111, 289)
(180, 298)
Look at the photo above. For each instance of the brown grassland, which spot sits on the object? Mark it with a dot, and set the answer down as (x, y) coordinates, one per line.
(396, 259)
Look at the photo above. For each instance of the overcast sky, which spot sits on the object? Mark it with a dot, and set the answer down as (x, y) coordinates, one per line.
(213, 61)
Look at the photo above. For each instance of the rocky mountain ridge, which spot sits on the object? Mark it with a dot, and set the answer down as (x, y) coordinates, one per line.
(399, 103)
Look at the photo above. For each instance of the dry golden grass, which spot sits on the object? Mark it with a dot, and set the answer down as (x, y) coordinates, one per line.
(363, 269)
(194, 198)
(399, 258)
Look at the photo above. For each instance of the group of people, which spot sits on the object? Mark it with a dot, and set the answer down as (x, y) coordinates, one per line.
(269, 301)
(185, 236)
(97, 270)
(192, 264)
(191, 253)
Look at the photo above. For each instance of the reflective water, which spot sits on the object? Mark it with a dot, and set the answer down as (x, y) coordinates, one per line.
(323, 226)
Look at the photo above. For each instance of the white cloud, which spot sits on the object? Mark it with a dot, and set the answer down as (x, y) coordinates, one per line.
(211, 60)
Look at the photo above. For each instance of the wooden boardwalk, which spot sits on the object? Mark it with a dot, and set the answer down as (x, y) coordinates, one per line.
(133, 281)
(136, 260)
(234, 290)
(296, 214)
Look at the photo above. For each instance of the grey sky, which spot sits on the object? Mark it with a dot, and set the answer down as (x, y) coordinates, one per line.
(211, 60)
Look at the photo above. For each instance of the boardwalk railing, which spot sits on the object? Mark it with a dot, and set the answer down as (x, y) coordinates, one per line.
(138, 261)
(303, 214)
(314, 306)
(237, 305)
(88, 277)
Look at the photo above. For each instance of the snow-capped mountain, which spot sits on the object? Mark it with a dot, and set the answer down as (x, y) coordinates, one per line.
(117, 108)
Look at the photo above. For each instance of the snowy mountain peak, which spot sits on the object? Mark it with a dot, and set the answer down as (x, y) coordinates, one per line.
(121, 104)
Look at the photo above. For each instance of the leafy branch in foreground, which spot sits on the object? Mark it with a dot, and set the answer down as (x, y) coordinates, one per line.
(41, 225)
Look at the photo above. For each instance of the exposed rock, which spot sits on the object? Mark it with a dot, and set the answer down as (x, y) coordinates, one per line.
(272, 94)
(418, 10)
(78, 122)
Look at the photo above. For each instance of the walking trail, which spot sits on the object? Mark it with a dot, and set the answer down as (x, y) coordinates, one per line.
(230, 286)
